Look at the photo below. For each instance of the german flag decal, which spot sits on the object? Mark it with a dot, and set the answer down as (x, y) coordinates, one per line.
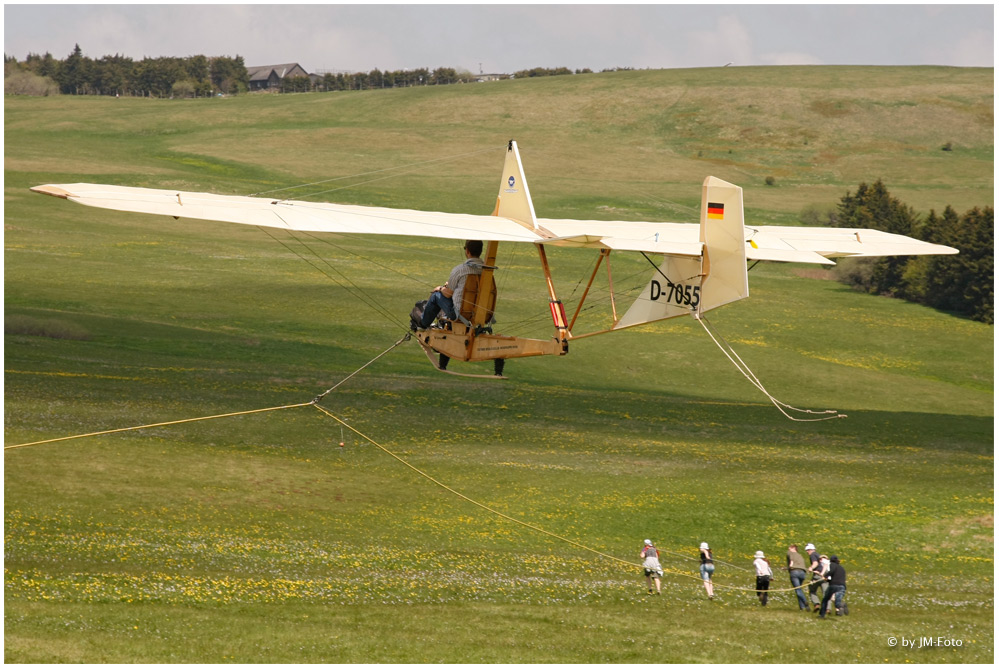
(716, 210)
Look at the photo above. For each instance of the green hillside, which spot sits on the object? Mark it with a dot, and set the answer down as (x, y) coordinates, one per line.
(258, 538)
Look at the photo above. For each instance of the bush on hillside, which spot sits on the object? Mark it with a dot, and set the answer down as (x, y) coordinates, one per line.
(17, 81)
(819, 215)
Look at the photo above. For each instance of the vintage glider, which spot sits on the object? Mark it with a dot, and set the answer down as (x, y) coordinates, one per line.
(703, 267)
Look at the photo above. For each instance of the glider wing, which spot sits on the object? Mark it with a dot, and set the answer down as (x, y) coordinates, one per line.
(293, 214)
(796, 244)
(784, 244)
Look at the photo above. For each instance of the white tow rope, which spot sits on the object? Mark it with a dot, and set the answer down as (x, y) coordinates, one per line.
(740, 364)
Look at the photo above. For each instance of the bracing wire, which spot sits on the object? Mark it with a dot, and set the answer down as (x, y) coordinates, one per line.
(359, 293)
(344, 282)
(343, 249)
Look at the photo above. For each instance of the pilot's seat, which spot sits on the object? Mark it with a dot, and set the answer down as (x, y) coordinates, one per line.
(478, 292)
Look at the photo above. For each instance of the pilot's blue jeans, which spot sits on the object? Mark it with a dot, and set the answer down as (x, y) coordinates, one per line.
(435, 305)
(797, 578)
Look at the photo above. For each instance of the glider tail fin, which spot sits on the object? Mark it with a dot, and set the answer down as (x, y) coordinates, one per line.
(725, 277)
(514, 199)
(692, 285)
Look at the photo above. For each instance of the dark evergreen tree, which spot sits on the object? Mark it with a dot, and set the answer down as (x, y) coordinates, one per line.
(45, 66)
(114, 75)
(964, 283)
(74, 76)
(874, 207)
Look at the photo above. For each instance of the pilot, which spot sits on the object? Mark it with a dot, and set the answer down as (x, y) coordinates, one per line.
(443, 298)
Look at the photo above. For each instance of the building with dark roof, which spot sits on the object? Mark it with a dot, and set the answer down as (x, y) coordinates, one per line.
(264, 77)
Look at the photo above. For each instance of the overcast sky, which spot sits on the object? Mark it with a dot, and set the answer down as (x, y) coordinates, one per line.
(510, 37)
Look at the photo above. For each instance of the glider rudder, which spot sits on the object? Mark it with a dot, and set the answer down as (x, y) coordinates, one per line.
(723, 235)
(690, 285)
(514, 199)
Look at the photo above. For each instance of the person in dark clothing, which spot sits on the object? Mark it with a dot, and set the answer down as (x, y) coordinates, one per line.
(837, 588)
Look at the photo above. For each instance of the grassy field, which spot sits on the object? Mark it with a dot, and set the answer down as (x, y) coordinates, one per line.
(259, 538)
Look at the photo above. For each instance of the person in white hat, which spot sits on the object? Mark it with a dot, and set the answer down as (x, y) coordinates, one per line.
(653, 570)
(707, 569)
(763, 575)
(817, 586)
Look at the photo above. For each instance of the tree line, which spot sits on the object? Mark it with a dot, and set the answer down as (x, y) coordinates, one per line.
(548, 72)
(203, 76)
(961, 284)
(194, 76)
(361, 81)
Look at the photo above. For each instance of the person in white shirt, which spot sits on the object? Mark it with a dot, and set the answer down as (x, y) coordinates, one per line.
(763, 575)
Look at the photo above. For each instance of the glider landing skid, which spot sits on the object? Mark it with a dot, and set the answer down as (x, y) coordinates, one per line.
(430, 356)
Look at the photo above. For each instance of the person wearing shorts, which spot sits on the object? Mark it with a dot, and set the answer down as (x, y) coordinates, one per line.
(707, 569)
